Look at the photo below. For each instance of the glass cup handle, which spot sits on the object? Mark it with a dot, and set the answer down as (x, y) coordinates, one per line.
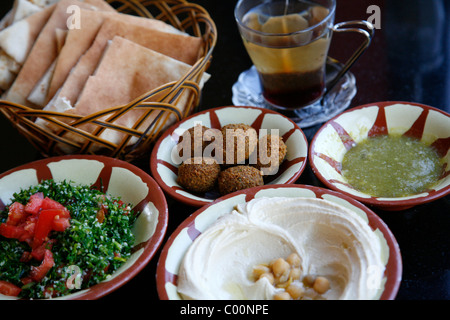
(351, 26)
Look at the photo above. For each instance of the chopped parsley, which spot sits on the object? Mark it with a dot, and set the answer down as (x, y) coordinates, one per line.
(96, 247)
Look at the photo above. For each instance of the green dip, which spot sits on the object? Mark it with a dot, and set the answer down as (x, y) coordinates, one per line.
(96, 249)
(391, 166)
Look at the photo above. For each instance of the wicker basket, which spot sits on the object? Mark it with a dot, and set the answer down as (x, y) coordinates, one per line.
(185, 16)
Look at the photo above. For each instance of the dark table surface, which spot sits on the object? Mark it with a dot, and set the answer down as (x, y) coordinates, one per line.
(408, 60)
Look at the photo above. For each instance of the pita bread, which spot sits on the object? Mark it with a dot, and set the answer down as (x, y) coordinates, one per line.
(149, 33)
(17, 40)
(78, 41)
(6, 20)
(43, 3)
(126, 71)
(22, 9)
(100, 5)
(40, 90)
(7, 68)
(15, 44)
(43, 53)
(6, 78)
(60, 38)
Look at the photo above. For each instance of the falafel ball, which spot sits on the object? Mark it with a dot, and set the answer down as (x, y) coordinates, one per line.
(194, 141)
(239, 142)
(271, 153)
(198, 174)
(238, 178)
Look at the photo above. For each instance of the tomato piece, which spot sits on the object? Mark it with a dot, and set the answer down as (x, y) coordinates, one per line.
(16, 214)
(22, 232)
(39, 252)
(60, 224)
(44, 225)
(26, 237)
(101, 213)
(11, 232)
(50, 291)
(30, 224)
(26, 257)
(48, 203)
(34, 203)
(38, 273)
(9, 289)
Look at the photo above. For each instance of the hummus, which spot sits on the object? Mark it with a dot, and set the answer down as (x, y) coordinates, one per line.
(332, 242)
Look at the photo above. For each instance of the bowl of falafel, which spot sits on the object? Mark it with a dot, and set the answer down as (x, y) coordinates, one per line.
(226, 149)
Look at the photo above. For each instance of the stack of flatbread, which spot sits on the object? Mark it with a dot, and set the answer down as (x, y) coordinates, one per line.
(81, 57)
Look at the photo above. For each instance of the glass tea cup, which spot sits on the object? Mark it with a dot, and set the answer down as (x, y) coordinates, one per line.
(288, 43)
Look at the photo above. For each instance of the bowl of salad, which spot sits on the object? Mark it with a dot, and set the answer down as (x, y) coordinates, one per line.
(76, 227)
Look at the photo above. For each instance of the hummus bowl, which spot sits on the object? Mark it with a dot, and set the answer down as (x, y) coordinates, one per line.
(164, 165)
(116, 178)
(322, 249)
(402, 119)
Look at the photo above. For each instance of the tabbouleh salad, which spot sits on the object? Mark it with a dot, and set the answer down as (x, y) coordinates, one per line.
(91, 231)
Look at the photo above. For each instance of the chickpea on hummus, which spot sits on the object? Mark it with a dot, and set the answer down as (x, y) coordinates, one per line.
(285, 248)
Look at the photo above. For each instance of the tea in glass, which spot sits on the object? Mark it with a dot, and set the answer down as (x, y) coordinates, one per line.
(288, 42)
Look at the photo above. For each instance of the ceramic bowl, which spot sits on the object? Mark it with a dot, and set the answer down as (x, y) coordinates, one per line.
(339, 134)
(164, 167)
(180, 240)
(119, 179)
